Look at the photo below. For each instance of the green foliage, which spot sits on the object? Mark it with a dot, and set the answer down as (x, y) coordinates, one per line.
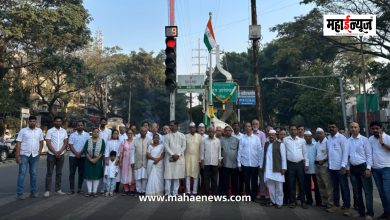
(38, 29)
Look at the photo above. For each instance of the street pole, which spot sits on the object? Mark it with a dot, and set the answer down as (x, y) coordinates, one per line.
(364, 89)
(173, 92)
(342, 95)
(256, 72)
(199, 64)
(211, 107)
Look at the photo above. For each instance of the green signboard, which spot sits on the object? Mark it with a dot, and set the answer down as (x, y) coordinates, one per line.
(224, 92)
(372, 102)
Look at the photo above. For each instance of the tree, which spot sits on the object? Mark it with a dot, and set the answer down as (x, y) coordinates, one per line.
(150, 100)
(57, 78)
(33, 30)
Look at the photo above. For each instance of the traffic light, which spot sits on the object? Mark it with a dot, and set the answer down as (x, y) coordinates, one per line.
(170, 63)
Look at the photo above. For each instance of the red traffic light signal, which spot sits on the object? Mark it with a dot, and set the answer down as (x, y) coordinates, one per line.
(170, 63)
(170, 42)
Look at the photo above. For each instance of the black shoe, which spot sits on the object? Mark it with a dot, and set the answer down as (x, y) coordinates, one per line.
(304, 205)
(292, 205)
(71, 192)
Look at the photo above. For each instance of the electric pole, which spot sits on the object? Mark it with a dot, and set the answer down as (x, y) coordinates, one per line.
(198, 64)
(256, 72)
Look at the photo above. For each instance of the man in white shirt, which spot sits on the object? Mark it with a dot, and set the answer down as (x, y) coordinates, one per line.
(139, 160)
(310, 174)
(104, 132)
(122, 133)
(29, 145)
(338, 152)
(237, 130)
(77, 141)
(174, 159)
(210, 158)
(248, 160)
(218, 132)
(154, 130)
(56, 141)
(380, 143)
(237, 133)
(274, 165)
(202, 130)
(282, 134)
(263, 139)
(166, 130)
(360, 160)
(297, 164)
(322, 173)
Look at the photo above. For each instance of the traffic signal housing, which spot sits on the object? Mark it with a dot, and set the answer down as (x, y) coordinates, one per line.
(170, 64)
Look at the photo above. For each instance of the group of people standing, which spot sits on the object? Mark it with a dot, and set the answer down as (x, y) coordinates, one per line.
(219, 161)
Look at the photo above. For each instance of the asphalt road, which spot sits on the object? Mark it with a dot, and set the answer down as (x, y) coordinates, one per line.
(125, 207)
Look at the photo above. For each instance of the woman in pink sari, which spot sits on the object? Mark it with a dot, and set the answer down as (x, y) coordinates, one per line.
(127, 176)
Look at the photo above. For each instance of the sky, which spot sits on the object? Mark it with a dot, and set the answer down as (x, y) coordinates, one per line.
(132, 25)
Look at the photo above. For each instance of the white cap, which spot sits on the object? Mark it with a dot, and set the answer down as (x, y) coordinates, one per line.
(122, 125)
(201, 125)
(319, 130)
(307, 133)
(272, 131)
(192, 124)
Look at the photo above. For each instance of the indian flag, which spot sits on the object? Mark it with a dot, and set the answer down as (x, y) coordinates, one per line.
(209, 38)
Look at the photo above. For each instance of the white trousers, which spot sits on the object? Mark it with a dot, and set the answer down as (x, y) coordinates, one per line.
(188, 185)
(92, 185)
(140, 185)
(171, 187)
(275, 189)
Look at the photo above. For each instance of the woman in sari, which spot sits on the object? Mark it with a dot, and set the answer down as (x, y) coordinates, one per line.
(126, 171)
(155, 167)
(94, 150)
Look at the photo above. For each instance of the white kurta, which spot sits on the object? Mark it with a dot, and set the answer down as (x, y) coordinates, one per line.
(192, 154)
(174, 144)
(269, 174)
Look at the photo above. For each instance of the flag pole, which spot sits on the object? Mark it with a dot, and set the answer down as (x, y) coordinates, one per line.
(211, 108)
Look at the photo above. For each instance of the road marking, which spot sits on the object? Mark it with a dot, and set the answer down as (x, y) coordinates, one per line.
(36, 208)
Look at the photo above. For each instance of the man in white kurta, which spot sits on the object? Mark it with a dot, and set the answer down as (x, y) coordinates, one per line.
(275, 165)
(139, 160)
(175, 146)
(192, 155)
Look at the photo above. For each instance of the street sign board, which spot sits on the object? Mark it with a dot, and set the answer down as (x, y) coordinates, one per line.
(225, 92)
(190, 84)
(247, 97)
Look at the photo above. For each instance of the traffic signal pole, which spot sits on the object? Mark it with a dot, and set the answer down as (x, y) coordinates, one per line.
(172, 92)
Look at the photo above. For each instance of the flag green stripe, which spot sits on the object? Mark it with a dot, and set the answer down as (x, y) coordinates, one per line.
(206, 41)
